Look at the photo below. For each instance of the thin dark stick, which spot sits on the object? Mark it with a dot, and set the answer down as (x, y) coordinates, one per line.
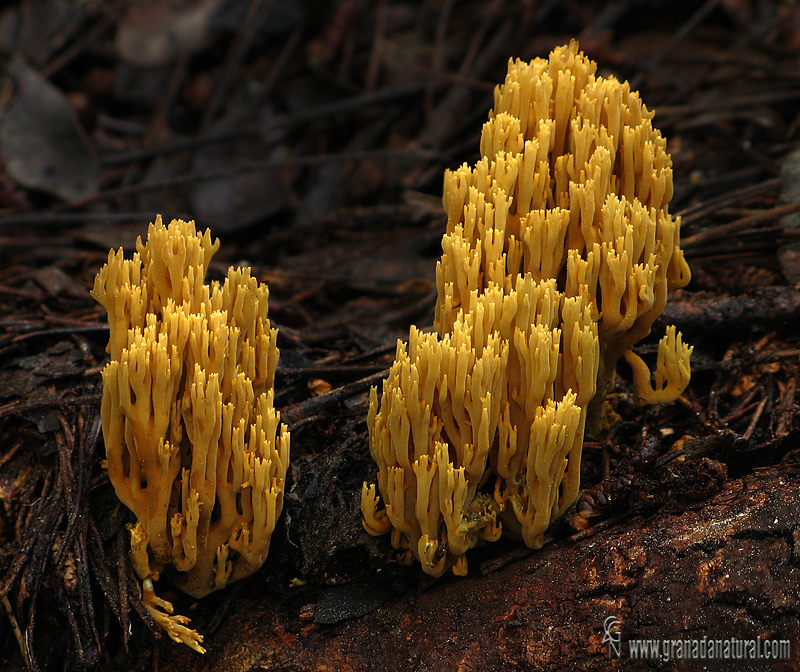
(437, 61)
(725, 104)
(253, 166)
(256, 15)
(296, 412)
(716, 232)
(51, 218)
(65, 331)
(122, 584)
(699, 210)
(80, 44)
(676, 39)
(333, 371)
(282, 60)
(160, 121)
(498, 563)
(602, 525)
(373, 65)
(376, 352)
(474, 63)
(12, 619)
(349, 105)
(14, 408)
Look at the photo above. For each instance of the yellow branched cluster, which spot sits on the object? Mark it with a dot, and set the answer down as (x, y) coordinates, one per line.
(503, 392)
(558, 257)
(573, 184)
(194, 445)
(440, 393)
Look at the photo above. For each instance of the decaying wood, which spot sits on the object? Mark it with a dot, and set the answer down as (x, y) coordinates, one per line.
(727, 567)
(756, 311)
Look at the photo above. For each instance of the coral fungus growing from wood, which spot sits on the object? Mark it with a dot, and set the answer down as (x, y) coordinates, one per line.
(560, 250)
(194, 446)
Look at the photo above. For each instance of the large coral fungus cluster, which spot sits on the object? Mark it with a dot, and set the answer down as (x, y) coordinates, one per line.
(573, 184)
(194, 445)
(558, 257)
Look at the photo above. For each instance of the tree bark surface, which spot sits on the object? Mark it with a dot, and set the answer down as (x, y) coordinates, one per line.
(725, 568)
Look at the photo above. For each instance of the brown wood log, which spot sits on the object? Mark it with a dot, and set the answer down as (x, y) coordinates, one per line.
(754, 311)
(728, 567)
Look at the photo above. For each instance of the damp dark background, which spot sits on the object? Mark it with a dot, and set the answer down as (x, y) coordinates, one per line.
(311, 137)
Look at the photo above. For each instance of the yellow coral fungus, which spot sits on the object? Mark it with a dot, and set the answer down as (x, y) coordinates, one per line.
(672, 370)
(560, 248)
(194, 445)
(438, 419)
(456, 404)
(573, 184)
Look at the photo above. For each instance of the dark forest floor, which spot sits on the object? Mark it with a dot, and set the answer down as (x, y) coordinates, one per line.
(312, 138)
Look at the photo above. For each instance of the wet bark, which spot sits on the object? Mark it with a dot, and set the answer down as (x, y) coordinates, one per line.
(728, 567)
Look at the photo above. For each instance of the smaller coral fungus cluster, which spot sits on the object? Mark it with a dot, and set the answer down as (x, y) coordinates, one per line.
(558, 257)
(194, 445)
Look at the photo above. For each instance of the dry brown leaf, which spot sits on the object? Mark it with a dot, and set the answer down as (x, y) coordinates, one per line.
(42, 144)
(155, 32)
